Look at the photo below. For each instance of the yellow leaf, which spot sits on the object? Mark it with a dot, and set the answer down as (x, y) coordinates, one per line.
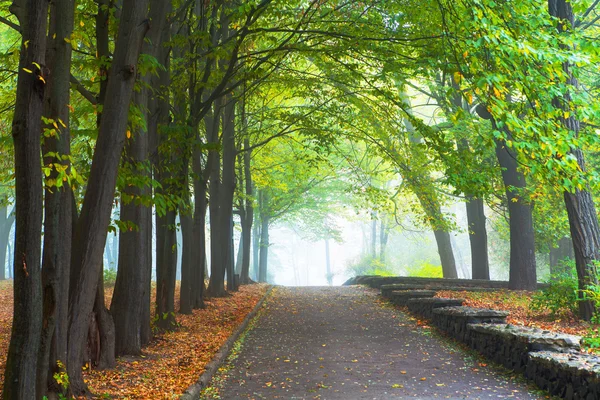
(397, 386)
(62, 123)
(37, 65)
(457, 77)
(497, 92)
(128, 134)
(81, 24)
(28, 70)
(41, 78)
(55, 124)
(567, 114)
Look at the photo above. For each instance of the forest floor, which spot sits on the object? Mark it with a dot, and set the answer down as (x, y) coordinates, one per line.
(517, 303)
(172, 361)
(348, 343)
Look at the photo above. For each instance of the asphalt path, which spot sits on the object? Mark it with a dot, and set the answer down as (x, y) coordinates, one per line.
(345, 343)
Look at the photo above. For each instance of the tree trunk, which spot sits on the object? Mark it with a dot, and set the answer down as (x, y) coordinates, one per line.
(328, 275)
(480, 267)
(166, 269)
(383, 239)
(227, 189)
(256, 247)
(199, 233)
(442, 237)
(522, 275)
(106, 329)
(20, 374)
(248, 214)
(264, 249)
(263, 205)
(186, 294)
(134, 255)
(373, 235)
(56, 257)
(240, 254)
(583, 219)
(216, 286)
(95, 216)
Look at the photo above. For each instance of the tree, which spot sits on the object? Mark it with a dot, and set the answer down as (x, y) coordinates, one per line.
(21, 364)
(94, 219)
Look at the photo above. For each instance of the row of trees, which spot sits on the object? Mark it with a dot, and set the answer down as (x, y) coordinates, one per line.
(273, 111)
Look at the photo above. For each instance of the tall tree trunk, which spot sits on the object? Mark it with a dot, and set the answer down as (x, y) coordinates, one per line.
(56, 257)
(227, 188)
(442, 237)
(134, 254)
(7, 218)
(166, 269)
(248, 213)
(583, 219)
(256, 247)
(264, 249)
(216, 286)
(95, 216)
(240, 254)
(522, 274)
(480, 267)
(383, 239)
(186, 294)
(106, 329)
(198, 229)
(21, 364)
(373, 234)
(328, 273)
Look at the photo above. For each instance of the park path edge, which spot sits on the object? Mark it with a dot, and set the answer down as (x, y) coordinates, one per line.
(193, 391)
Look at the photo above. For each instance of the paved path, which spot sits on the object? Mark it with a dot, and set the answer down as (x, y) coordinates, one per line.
(342, 343)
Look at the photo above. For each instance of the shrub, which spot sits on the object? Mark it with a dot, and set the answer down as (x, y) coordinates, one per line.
(368, 265)
(110, 277)
(426, 270)
(560, 297)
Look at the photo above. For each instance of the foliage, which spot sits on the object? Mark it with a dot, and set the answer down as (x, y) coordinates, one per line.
(110, 277)
(560, 297)
(425, 270)
(369, 265)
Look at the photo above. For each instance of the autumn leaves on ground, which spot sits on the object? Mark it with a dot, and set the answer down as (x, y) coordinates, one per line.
(172, 361)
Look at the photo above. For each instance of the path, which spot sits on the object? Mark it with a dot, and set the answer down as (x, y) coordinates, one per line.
(341, 343)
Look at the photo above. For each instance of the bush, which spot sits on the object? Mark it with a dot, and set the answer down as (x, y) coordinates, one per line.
(560, 297)
(426, 270)
(368, 265)
(110, 277)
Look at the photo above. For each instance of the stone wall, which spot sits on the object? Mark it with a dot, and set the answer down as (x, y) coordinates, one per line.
(552, 360)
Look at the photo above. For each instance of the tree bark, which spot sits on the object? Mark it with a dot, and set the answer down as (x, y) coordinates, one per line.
(583, 220)
(134, 254)
(373, 234)
(20, 375)
(256, 246)
(106, 329)
(216, 286)
(56, 257)
(442, 237)
(248, 214)
(95, 216)
(264, 249)
(522, 274)
(186, 294)
(227, 189)
(480, 267)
